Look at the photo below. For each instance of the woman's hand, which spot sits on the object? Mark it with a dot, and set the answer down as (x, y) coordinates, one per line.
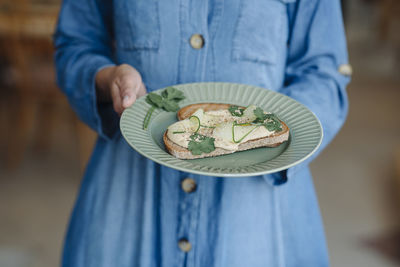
(120, 84)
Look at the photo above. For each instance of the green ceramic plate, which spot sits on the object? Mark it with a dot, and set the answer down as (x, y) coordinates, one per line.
(305, 131)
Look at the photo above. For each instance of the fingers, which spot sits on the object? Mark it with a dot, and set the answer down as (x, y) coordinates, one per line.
(126, 88)
(116, 97)
(131, 93)
(127, 100)
(128, 94)
(142, 90)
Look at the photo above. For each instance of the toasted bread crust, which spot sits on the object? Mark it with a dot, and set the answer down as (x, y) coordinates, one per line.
(183, 153)
(186, 111)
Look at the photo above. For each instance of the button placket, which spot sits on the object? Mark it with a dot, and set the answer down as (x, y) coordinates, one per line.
(188, 218)
(192, 67)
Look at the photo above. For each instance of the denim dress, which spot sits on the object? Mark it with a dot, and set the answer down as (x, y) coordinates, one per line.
(133, 212)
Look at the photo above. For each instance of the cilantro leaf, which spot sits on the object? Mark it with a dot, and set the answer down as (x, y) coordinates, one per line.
(168, 101)
(236, 111)
(260, 115)
(172, 93)
(270, 121)
(195, 148)
(273, 125)
(164, 93)
(169, 105)
(271, 116)
(200, 144)
(154, 100)
(197, 137)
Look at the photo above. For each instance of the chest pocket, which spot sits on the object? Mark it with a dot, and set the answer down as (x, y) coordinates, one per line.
(261, 30)
(137, 24)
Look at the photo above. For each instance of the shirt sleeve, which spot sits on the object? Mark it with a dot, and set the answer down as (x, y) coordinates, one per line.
(83, 47)
(316, 50)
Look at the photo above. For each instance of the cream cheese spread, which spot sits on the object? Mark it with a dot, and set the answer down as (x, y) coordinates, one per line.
(220, 125)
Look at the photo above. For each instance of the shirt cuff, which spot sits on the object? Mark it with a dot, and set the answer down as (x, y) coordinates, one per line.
(105, 119)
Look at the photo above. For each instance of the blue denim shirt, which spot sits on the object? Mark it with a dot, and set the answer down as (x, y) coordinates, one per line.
(132, 211)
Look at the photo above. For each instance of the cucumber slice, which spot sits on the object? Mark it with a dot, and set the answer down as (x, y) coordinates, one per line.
(249, 113)
(196, 121)
(234, 124)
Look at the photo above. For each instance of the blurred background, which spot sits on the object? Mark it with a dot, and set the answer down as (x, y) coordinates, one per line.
(44, 148)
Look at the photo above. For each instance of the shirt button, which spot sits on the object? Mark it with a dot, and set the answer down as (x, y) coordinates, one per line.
(188, 185)
(184, 245)
(197, 41)
(345, 69)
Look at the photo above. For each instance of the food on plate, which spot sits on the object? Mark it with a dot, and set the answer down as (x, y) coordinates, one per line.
(211, 129)
(168, 101)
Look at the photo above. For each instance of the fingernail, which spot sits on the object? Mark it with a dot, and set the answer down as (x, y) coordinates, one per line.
(125, 101)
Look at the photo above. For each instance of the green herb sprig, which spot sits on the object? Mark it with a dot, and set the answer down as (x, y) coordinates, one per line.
(273, 124)
(168, 100)
(205, 126)
(236, 111)
(260, 115)
(269, 121)
(199, 144)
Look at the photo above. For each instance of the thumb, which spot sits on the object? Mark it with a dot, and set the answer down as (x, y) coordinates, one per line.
(128, 100)
(142, 90)
(128, 97)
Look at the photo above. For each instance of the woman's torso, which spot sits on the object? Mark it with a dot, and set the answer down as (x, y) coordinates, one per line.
(244, 41)
(134, 212)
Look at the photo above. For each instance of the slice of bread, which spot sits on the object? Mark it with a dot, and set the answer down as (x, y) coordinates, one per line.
(187, 111)
(183, 153)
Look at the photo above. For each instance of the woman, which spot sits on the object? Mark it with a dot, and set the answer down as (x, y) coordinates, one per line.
(134, 212)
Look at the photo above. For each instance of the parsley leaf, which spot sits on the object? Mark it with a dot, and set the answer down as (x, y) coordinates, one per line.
(154, 100)
(261, 116)
(236, 111)
(170, 105)
(270, 121)
(199, 144)
(172, 93)
(168, 101)
(273, 124)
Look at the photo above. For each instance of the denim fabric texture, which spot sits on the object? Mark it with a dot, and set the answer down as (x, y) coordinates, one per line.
(131, 211)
